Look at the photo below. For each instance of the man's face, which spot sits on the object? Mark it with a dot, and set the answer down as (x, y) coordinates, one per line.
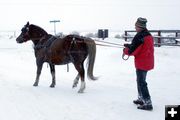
(138, 29)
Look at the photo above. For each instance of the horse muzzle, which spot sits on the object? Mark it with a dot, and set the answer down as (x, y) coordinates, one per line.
(20, 40)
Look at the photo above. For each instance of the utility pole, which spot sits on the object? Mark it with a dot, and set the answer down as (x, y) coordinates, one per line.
(54, 21)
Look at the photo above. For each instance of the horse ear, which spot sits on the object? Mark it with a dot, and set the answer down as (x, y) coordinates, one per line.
(27, 23)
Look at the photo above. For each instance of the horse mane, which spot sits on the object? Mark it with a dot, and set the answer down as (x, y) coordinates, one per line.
(38, 29)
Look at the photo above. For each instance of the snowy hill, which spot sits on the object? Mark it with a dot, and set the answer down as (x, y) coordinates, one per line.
(109, 98)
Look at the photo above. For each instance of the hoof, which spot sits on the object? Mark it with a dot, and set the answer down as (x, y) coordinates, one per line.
(81, 91)
(74, 85)
(35, 84)
(52, 86)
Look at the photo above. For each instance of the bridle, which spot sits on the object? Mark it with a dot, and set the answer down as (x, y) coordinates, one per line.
(25, 33)
(26, 36)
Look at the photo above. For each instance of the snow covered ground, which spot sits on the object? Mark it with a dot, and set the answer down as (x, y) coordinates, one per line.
(109, 98)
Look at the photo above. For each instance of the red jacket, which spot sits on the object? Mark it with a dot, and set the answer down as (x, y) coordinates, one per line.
(144, 54)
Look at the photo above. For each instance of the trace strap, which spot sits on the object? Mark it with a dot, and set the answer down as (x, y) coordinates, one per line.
(106, 45)
(109, 43)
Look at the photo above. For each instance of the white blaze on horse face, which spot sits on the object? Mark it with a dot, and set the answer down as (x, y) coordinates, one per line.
(83, 86)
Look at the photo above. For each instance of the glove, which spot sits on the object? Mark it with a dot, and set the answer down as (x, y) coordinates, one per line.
(126, 45)
(126, 51)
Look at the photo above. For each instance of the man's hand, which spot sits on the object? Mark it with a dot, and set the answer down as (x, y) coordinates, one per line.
(126, 45)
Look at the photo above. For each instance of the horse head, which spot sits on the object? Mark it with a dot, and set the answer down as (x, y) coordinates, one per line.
(31, 32)
(24, 36)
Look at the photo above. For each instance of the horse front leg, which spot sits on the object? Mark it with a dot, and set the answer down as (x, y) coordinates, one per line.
(39, 68)
(52, 68)
(76, 80)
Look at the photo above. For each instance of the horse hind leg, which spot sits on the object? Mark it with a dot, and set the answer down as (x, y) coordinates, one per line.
(76, 80)
(52, 68)
(80, 69)
(83, 86)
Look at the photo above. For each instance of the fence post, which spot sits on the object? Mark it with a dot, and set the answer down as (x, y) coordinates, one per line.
(159, 39)
(176, 42)
(125, 35)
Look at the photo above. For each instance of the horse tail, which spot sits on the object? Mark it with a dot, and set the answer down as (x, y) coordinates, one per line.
(91, 58)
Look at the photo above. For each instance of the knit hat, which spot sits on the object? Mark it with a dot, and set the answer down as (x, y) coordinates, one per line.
(141, 22)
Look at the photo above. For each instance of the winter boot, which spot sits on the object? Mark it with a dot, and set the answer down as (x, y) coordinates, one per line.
(146, 106)
(139, 101)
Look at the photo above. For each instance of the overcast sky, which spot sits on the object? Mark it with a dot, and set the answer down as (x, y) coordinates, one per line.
(89, 14)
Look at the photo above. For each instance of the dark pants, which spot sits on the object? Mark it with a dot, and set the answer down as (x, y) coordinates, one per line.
(142, 87)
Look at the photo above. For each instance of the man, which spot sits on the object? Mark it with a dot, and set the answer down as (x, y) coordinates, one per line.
(142, 48)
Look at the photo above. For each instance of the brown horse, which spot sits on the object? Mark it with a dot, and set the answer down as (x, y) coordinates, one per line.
(59, 51)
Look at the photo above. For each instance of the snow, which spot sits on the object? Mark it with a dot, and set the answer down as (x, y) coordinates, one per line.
(108, 98)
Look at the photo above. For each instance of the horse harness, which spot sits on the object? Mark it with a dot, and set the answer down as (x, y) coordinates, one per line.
(73, 45)
(47, 43)
(75, 39)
